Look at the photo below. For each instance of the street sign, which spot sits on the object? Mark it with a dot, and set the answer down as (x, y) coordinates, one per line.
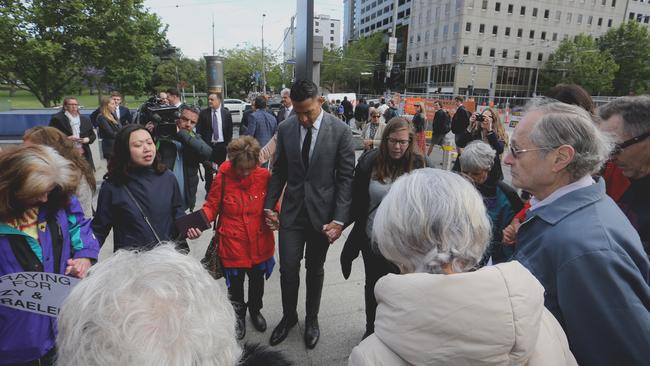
(392, 45)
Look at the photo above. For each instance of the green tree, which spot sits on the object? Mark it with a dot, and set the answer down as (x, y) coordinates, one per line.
(190, 73)
(240, 66)
(629, 44)
(48, 45)
(342, 68)
(580, 61)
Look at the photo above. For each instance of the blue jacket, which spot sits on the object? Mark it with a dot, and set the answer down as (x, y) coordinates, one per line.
(26, 336)
(261, 125)
(589, 258)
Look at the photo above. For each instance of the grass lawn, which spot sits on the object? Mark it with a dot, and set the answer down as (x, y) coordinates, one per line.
(23, 99)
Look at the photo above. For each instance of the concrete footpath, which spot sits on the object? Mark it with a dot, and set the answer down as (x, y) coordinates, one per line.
(342, 316)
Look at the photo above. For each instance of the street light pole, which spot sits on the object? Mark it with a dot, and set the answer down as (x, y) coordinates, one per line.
(263, 71)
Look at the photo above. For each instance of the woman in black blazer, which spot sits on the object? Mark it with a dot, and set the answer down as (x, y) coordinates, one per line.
(108, 125)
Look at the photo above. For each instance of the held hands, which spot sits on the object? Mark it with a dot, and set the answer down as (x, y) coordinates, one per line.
(272, 219)
(332, 231)
(77, 267)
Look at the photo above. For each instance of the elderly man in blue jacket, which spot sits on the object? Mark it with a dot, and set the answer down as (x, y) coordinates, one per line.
(576, 240)
(261, 124)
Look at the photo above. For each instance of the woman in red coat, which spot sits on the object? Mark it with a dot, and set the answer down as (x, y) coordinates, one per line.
(247, 244)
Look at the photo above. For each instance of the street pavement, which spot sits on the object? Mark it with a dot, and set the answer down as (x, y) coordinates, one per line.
(342, 316)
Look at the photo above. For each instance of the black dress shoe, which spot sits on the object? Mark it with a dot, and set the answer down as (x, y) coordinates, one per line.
(258, 320)
(282, 330)
(312, 333)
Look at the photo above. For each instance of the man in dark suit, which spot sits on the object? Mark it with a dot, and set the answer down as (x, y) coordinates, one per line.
(286, 110)
(215, 127)
(122, 113)
(78, 128)
(315, 159)
(361, 114)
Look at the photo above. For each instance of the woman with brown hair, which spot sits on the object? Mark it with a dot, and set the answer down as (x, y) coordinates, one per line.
(57, 140)
(376, 171)
(42, 229)
(420, 124)
(108, 125)
(246, 244)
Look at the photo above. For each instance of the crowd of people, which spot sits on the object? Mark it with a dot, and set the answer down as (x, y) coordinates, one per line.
(460, 266)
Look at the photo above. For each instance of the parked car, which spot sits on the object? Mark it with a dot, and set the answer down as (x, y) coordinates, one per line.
(237, 108)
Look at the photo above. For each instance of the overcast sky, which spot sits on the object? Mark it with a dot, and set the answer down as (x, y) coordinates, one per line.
(237, 22)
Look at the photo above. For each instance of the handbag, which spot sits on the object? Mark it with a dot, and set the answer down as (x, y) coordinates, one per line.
(211, 260)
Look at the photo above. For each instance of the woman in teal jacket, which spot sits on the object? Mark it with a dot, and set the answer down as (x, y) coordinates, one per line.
(42, 229)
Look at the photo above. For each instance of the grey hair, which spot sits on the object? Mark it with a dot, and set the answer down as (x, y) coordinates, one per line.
(285, 91)
(566, 124)
(421, 229)
(635, 112)
(142, 308)
(476, 157)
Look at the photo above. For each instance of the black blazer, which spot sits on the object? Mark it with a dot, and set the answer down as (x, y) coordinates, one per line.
(61, 122)
(204, 125)
(280, 117)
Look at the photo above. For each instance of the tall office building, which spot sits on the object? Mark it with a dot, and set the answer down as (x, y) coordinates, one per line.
(496, 47)
(365, 17)
(324, 26)
(639, 10)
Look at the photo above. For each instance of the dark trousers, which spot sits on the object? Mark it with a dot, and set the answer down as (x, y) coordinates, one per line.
(46, 360)
(255, 288)
(218, 157)
(375, 266)
(292, 246)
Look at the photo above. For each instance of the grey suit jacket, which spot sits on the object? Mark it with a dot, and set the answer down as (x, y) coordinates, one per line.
(326, 187)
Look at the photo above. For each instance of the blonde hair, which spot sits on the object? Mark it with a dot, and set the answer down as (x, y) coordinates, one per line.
(244, 152)
(423, 109)
(499, 130)
(29, 171)
(104, 111)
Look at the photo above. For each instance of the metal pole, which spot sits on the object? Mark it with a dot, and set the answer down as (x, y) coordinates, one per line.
(391, 55)
(263, 70)
(536, 76)
(212, 34)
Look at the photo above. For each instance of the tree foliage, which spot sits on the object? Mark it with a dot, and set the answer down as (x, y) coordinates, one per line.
(240, 66)
(49, 45)
(580, 61)
(341, 68)
(190, 73)
(629, 44)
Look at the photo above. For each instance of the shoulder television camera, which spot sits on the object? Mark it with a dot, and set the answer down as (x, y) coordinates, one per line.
(163, 116)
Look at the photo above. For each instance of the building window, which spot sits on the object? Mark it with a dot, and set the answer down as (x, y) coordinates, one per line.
(558, 16)
(547, 13)
(529, 55)
(569, 17)
(495, 30)
(481, 28)
(579, 18)
(453, 51)
(316, 30)
(417, 56)
(554, 36)
(531, 35)
(504, 53)
(492, 52)
(516, 54)
(332, 31)
(456, 27)
(609, 23)
(466, 50)
(484, 5)
(479, 51)
(520, 32)
(613, 3)
(631, 16)
(468, 27)
(590, 20)
(600, 22)
(331, 38)
(543, 35)
(410, 58)
(535, 12)
(426, 55)
(497, 7)
(507, 31)
(522, 11)
(316, 23)
(540, 57)
(510, 8)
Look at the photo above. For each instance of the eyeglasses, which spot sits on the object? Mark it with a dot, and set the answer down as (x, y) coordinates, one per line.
(401, 142)
(514, 152)
(618, 148)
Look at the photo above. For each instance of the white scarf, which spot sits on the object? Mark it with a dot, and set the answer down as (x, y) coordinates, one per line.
(75, 123)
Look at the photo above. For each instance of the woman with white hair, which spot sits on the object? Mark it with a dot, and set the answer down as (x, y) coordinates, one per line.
(438, 312)
(501, 200)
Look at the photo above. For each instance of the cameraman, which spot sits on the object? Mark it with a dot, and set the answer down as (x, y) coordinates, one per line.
(183, 152)
(487, 127)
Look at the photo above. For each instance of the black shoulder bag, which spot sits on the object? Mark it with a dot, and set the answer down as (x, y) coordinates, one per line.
(211, 260)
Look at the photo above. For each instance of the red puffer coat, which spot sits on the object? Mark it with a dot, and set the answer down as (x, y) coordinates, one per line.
(245, 238)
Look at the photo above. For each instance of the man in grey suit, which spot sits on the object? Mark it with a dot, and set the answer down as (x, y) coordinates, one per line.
(315, 159)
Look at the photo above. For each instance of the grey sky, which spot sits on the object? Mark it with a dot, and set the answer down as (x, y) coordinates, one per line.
(237, 22)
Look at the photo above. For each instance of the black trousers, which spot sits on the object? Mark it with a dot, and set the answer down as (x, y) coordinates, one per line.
(375, 266)
(46, 360)
(301, 238)
(218, 157)
(255, 288)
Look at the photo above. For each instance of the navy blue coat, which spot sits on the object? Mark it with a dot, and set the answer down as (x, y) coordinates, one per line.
(261, 125)
(590, 260)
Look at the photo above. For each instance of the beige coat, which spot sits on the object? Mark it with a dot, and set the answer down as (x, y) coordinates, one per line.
(365, 134)
(494, 316)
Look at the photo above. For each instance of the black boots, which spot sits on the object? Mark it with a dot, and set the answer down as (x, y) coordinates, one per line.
(312, 332)
(240, 324)
(258, 320)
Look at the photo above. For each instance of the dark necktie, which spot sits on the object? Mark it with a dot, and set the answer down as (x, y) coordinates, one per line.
(215, 125)
(306, 144)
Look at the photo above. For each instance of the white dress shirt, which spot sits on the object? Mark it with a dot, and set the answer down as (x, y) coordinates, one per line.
(219, 124)
(583, 182)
